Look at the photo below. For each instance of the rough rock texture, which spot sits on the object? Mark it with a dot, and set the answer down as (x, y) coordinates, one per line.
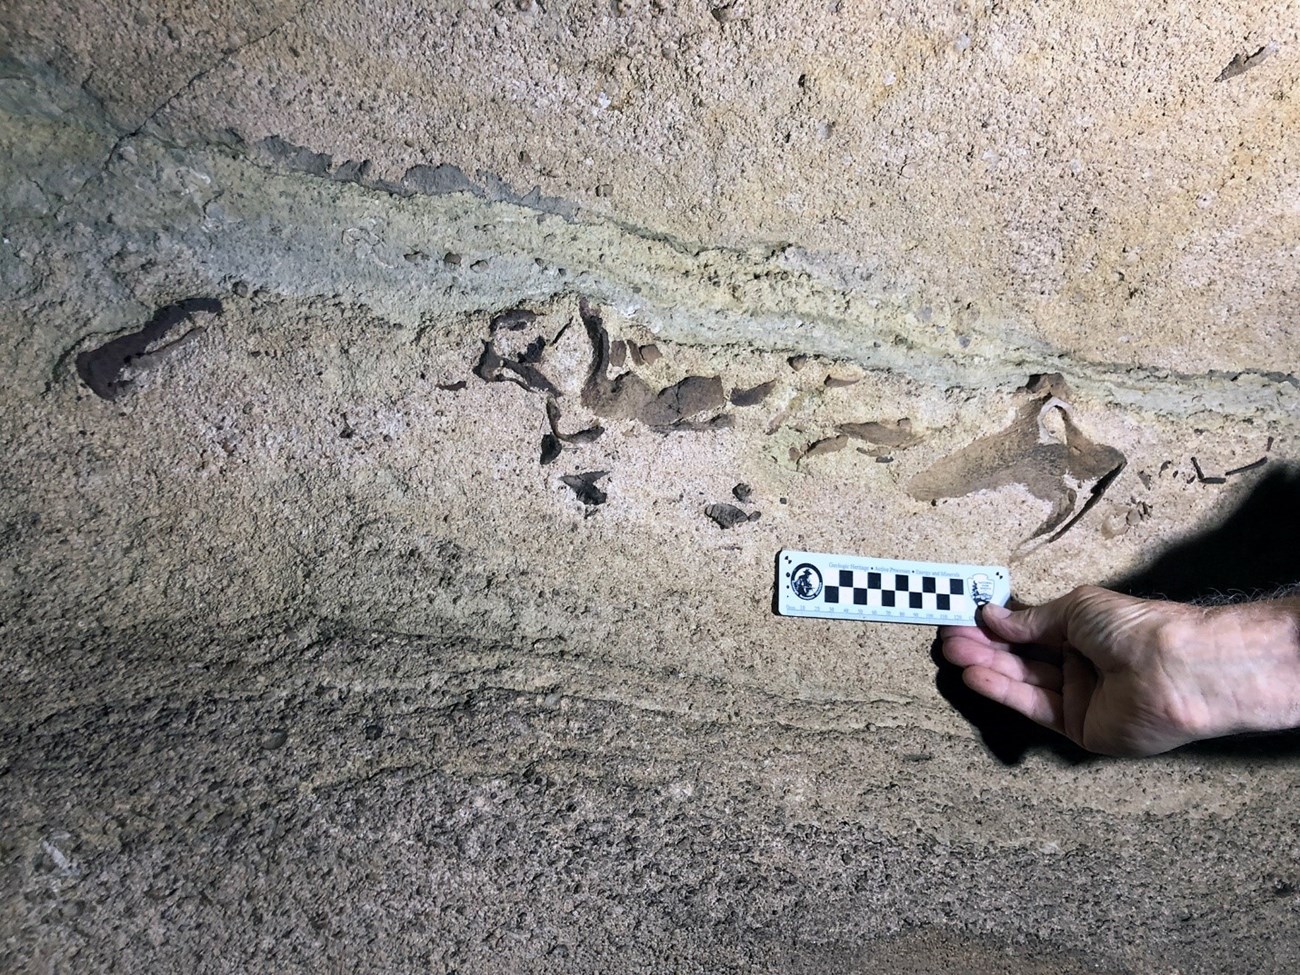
(307, 662)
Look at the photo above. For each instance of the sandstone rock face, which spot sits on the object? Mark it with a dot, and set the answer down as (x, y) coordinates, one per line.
(377, 590)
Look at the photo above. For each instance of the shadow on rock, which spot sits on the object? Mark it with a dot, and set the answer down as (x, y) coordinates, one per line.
(1252, 552)
(1007, 735)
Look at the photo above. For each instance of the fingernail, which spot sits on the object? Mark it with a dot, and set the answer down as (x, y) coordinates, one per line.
(994, 611)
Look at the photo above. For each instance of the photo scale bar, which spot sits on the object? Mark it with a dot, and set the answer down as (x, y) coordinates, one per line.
(830, 586)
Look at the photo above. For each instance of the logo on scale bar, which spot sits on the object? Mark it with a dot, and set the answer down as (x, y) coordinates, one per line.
(981, 589)
(806, 581)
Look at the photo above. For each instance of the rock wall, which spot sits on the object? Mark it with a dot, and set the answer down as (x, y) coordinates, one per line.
(405, 407)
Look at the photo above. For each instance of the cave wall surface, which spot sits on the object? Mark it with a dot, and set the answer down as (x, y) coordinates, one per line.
(323, 646)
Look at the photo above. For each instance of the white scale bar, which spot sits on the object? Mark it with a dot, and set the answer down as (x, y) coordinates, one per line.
(852, 587)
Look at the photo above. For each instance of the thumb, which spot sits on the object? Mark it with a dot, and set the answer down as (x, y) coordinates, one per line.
(1043, 624)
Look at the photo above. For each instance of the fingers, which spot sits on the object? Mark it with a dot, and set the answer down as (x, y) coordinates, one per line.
(946, 633)
(971, 648)
(1036, 703)
(1045, 624)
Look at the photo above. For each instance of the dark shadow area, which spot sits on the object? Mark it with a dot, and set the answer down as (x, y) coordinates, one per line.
(1251, 552)
(1274, 746)
(1007, 735)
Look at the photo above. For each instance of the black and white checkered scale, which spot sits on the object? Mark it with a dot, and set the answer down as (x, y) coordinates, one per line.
(888, 589)
(869, 588)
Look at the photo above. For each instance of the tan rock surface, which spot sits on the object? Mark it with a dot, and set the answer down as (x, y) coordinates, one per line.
(308, 661)
(1066, 175)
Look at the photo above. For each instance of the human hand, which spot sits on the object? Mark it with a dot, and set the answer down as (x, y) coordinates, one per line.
(1126, 676)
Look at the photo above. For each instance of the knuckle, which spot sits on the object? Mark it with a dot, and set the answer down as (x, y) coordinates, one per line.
(1171, 636)
(1086, 594)
(1185, 718)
